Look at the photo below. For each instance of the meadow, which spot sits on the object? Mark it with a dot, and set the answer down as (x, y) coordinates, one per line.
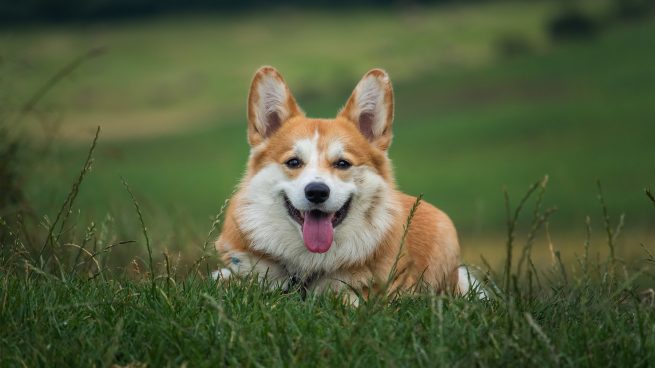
(486, 102)
(169, 95)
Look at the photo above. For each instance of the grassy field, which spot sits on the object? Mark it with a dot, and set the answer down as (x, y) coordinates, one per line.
(170, 74)
(195, 323)
(85, 287)
(62, 307)
(170, 97)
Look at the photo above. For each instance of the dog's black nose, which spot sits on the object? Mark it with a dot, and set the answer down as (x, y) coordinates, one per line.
(317, 192)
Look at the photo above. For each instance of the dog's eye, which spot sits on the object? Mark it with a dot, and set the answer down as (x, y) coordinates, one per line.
(342, 164)
(293, 163)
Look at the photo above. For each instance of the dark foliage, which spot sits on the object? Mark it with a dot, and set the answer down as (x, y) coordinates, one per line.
(572, 23)
(12, 198)
(11, 194)
(67, 10)
(634, 9)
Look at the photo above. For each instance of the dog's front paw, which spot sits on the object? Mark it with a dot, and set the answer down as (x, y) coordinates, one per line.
(350, 298)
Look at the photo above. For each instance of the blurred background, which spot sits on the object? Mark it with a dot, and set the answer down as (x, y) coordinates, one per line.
(489, 95)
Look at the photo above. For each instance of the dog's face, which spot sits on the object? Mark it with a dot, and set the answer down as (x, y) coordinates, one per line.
(317, 191)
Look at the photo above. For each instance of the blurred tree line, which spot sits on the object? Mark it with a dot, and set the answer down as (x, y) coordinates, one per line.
(65, 10)
(21, 11)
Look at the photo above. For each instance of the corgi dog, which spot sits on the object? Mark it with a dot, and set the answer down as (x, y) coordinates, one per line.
(318, 206)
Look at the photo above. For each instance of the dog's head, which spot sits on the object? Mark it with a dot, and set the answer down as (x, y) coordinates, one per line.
(317, 181)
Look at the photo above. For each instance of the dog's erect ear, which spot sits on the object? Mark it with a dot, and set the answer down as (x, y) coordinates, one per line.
(371, 107)
(270, 104)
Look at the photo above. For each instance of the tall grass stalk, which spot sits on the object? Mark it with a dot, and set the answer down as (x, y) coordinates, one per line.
(608, 228)
(394, 273)
(587, 244)
(512, 220)
(650, 196)
(65, 210)
(538, 219)
(144, 230)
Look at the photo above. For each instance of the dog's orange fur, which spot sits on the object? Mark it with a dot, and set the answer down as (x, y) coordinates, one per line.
(430, 252)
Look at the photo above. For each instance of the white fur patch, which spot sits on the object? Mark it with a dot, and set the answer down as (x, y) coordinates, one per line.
(305, 149)
(245, 264)
(468, 283)
(335, 150)
(223, 274)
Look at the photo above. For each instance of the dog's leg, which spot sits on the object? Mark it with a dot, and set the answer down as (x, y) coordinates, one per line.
(468, 283)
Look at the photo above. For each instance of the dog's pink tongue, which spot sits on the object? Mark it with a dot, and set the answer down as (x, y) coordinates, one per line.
(317, 231)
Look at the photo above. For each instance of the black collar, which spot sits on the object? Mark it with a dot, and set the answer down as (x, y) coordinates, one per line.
(299, 283)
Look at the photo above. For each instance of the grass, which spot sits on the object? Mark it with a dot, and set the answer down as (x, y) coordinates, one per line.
(196, 323)
(118, 274)
(576, 111)
(71, 310)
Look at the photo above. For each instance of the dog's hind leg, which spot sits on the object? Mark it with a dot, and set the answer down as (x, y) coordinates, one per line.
(467, 283)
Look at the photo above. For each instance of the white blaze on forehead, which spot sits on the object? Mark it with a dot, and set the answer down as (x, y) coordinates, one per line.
(335, 150)
(307, 150)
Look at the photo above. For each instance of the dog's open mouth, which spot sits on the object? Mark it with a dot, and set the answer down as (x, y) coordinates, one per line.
(337, 217)
(317, 226)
